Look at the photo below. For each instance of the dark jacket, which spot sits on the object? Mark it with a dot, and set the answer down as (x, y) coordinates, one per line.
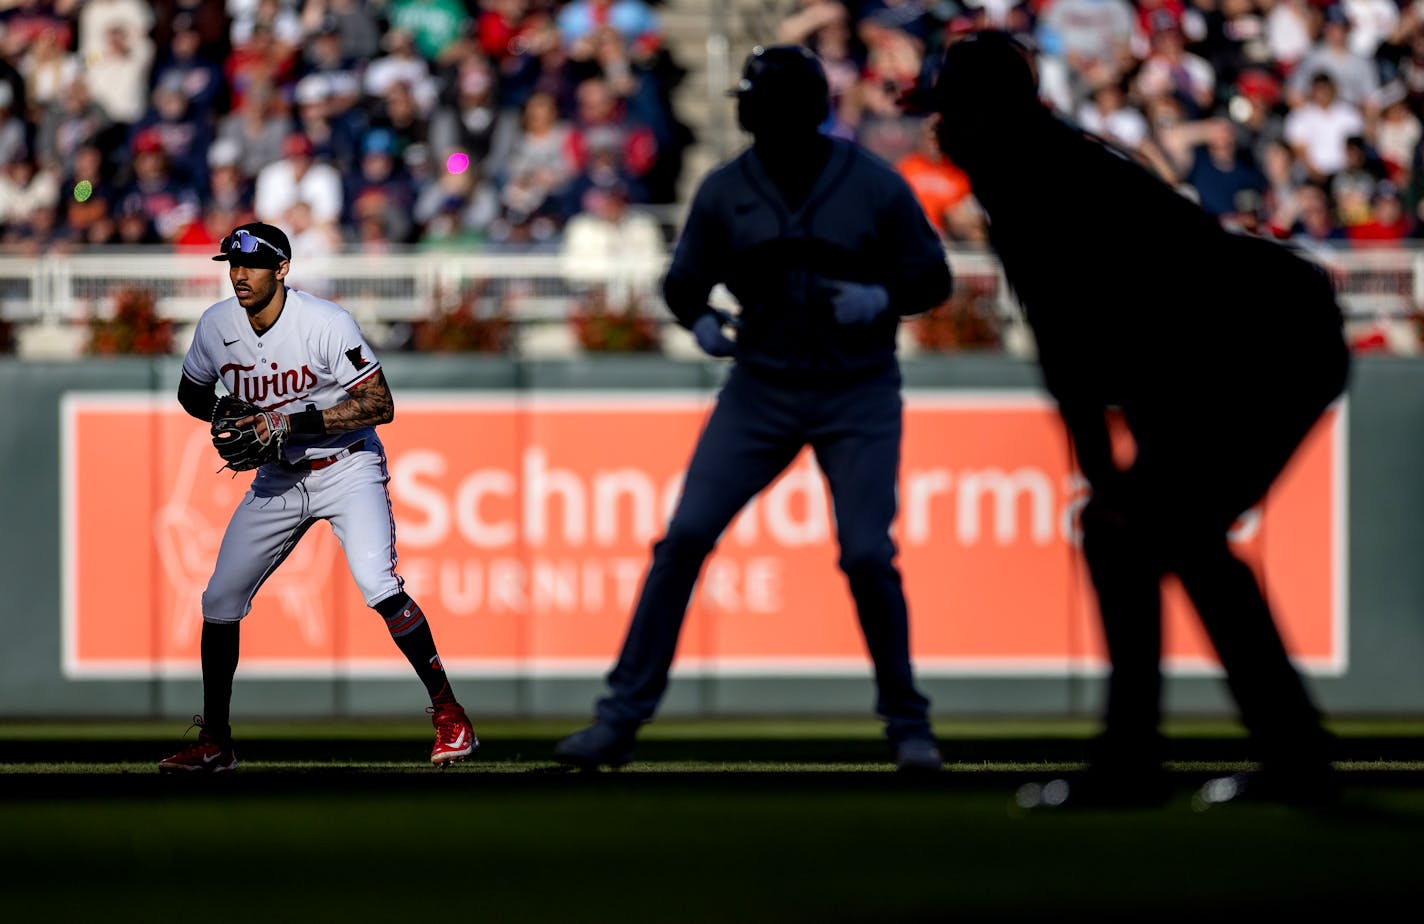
(860, 223)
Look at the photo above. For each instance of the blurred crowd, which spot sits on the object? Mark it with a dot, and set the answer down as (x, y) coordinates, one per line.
(1294, 118)
(369, 124)
(374, 124)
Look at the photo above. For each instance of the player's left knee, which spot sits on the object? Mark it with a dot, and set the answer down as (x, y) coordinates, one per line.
(225, 605)
(381, 593)
(390, 604)
(867, 558)
(686, 539)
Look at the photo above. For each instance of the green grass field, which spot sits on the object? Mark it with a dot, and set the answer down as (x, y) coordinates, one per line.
(717, 821)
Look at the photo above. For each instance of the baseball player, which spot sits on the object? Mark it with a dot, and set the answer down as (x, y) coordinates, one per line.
(306, 392)
(825, 247)
(1221, 351)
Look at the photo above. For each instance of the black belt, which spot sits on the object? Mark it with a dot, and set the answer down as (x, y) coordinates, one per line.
(316, 465)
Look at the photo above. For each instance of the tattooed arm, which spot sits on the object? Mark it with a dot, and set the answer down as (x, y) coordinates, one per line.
(370, 405)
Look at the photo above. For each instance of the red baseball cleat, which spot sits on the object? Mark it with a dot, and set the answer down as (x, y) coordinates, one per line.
(208, 755)
(454, 735)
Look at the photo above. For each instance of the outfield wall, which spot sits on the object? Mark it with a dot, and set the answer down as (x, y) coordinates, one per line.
(527, 493)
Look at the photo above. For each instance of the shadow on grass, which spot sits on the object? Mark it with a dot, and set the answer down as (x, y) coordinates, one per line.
(958, 750)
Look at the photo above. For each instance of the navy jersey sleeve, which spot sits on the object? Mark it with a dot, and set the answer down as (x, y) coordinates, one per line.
(699, 260)
(922, 277)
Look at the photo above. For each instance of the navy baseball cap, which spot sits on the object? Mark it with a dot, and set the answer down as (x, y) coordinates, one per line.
(256, 244)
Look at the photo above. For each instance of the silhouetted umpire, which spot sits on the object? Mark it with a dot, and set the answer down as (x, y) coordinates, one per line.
(1222, 351)
(825, 247)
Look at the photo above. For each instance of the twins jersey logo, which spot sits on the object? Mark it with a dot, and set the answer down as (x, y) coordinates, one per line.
(272, 390)
(313, 354)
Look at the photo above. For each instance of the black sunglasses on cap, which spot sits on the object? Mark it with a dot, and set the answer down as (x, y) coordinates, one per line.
(246, 242)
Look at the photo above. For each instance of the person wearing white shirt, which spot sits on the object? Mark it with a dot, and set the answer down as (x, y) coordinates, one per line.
(401, 64)
(612, 242)
(1108, 115)
(1397, 133)
(1371, 22)
(117, 73)
(1172, 70)
(97, 17)
(1356, 78)
(297, 177)
(1317, 129)
(1288, 30)
(25, 189)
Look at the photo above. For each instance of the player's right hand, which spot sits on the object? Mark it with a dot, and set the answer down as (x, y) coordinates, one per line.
(856, 302)
(710, 337)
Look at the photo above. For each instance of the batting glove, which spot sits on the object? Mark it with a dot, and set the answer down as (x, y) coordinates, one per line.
(857, 303)
(277, 425)
(708, 331)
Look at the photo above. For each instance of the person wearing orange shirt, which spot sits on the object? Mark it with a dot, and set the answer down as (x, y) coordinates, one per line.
(936, 182)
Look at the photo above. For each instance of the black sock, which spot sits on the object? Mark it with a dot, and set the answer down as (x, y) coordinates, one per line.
(219, 653)
(412, 636)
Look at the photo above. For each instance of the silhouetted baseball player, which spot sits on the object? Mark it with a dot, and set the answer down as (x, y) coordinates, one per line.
(825, 247)
(1222, 351)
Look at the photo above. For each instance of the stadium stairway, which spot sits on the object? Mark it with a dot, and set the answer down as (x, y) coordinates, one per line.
(710, 39)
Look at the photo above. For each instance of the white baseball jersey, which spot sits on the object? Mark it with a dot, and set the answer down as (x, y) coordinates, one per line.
(310, 359)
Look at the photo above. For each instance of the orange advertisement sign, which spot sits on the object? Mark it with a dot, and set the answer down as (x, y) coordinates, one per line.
(524, 524)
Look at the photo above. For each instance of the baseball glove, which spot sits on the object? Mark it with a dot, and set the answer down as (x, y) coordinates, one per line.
(239, 444)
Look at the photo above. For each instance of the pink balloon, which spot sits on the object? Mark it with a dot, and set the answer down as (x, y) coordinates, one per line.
(458, 162)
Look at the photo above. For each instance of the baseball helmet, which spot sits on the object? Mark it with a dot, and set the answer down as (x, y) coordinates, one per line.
(783, 90)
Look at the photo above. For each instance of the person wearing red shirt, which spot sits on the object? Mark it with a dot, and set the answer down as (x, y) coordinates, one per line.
(1388, 223)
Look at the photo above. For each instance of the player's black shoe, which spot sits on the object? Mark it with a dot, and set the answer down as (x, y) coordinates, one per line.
(918, 755)
(599, 745)
(209, 754)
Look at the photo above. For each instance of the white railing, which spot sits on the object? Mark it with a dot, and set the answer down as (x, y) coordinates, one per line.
(387, 287)
(395, 287)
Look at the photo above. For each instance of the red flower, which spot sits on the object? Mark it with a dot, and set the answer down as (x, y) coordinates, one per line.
(966, 321)
(135, 327)
(602, 329)
(463, 327)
